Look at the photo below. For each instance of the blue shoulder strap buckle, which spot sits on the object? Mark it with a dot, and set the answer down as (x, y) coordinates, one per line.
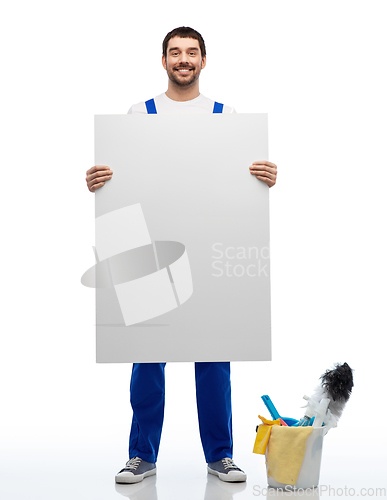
(151, 107)
(218, 107)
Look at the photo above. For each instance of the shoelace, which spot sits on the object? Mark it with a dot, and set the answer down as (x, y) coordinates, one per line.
(229, 463)
(133, 463)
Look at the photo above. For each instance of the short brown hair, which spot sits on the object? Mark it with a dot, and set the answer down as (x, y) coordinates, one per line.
(184, 32)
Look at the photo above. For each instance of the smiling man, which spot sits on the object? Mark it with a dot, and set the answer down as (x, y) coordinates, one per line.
(183, 63)
(184, 56)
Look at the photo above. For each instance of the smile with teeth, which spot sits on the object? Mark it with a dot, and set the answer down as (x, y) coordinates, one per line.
(183, 70)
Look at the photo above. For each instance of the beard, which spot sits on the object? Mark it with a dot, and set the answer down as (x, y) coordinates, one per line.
(186, 80)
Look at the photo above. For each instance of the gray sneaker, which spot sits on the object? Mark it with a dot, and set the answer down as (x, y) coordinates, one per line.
(135, 470)
(226, 470)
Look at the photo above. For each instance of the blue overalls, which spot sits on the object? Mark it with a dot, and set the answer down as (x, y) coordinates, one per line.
(213, 397)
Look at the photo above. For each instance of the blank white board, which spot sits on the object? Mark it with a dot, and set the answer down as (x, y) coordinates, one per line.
(182, 239)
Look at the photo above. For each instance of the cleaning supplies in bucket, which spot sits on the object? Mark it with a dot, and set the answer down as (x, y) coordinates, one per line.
(294, 462)
(293, 449)
(284, 448)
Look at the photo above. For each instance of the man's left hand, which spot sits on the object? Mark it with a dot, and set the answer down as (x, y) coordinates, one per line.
(264, 171)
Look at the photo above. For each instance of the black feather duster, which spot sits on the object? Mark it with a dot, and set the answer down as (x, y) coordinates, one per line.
(336, 386)
(338, 382)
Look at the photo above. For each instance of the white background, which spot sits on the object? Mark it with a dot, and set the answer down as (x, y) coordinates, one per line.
(318, 69)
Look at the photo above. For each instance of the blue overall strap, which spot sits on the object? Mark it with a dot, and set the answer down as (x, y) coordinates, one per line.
(218, 107)
(151, 107)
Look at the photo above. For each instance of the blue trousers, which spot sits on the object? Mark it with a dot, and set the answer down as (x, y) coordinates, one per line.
(213, 396)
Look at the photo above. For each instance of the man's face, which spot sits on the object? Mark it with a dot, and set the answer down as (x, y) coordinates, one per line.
(184, 61)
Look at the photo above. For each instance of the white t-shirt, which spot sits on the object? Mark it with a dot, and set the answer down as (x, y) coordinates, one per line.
(165, 105)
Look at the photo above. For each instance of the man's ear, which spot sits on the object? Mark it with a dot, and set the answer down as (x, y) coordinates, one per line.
(204, 61)
(164, 62)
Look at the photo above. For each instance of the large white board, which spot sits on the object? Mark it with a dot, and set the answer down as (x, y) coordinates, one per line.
(182, 239)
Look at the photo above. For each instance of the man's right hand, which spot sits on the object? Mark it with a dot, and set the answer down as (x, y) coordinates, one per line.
(97, 176)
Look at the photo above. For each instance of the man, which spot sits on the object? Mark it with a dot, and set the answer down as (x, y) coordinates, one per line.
(184, 56)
